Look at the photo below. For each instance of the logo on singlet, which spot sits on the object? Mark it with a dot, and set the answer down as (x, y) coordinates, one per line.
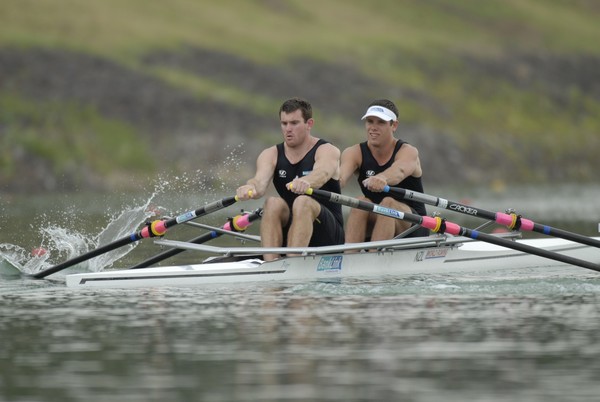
(306, 172)
(370, 173)
(282, 174)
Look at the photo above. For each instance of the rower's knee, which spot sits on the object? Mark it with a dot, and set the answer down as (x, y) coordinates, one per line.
(275, 207)
(389, 202)
(274, 204)
(305, 205)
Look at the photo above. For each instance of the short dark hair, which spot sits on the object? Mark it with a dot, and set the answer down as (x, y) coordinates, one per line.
(293, 104)
(388, 104)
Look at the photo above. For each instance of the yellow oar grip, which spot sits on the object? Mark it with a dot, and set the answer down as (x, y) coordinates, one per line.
(249, 194)
(235, 225)
(158, 228)
(308, 192)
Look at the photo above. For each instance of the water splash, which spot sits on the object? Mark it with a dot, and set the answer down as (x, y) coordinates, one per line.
(70, 244)
(13, 258)
(60, 243)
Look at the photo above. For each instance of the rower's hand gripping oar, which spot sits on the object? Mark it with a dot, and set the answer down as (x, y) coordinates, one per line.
(237, 224)
(153, 229)
(512, 221)
(439, 225)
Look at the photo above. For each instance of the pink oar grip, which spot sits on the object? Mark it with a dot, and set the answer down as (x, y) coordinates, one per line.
(435, 223)
(507, 220)
(526, 224)
(159, 228)
(429, 223)
(156, 228)
(504, 219)
(242, 222)
(452, 228)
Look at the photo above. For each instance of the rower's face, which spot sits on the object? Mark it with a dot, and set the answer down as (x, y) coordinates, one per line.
(295, 130)
(379, 129)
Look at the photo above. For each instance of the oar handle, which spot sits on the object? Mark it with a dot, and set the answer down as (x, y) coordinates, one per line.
(439, 225)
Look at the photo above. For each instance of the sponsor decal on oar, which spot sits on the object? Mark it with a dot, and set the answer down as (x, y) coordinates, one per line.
(439, 225)
(512, 221)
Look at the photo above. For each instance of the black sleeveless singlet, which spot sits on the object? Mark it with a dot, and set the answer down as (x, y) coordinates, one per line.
(285, 172)
(370, 167)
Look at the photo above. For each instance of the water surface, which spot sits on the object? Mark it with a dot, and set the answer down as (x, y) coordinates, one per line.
(414, 339)
(499, 336)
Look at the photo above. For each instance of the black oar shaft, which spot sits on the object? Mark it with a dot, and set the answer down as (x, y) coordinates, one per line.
(440, 225)
(84, 257)
(157, 228)
(213, 234)
(174, 251)
(509, 220)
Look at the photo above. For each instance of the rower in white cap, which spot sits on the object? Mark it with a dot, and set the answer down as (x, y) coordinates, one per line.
(382, 160)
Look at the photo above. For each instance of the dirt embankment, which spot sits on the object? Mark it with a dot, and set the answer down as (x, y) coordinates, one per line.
(187, 133)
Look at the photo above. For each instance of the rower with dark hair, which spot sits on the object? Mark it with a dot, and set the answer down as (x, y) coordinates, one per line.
(300, 162)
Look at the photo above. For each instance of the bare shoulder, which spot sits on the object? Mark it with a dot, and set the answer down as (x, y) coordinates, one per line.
(269, 153)
(352, 150)
(267, 158)
(328, 149)
(407, 150)
(352, 153)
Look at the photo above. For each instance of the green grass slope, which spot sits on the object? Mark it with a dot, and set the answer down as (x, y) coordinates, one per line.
(95, 93)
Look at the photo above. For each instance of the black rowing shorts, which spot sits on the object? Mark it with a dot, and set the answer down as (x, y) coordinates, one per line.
(327, 231)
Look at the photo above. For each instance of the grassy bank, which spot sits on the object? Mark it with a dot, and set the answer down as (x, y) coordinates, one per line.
(509, 86)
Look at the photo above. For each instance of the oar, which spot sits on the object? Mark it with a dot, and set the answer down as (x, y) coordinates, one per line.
(512, 221)
(237, 235)
(437, 224)
(238, 223)
(152, 229)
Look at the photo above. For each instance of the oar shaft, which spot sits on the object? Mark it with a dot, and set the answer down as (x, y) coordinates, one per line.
(476, 235)
(174, 251)
(238, 224)
(441, 203)
(439, 225)
(84, 257)
(156, 228)
(501, 218)
(207, 209)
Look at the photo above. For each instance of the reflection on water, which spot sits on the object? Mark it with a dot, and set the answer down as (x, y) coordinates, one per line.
(487, 337)
(414, 339)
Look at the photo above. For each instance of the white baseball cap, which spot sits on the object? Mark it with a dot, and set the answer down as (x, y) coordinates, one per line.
(382, 112)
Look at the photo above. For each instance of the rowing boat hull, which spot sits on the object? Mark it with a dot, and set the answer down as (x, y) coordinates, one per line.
(445, 258)
(8, 269)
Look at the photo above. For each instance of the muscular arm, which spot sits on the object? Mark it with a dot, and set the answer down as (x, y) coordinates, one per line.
(265, 167)
(405, 164)
(351, 160)
(327, 166)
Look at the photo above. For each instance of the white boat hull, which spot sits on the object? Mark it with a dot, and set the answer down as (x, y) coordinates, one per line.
(8, 269)
(472, 256)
